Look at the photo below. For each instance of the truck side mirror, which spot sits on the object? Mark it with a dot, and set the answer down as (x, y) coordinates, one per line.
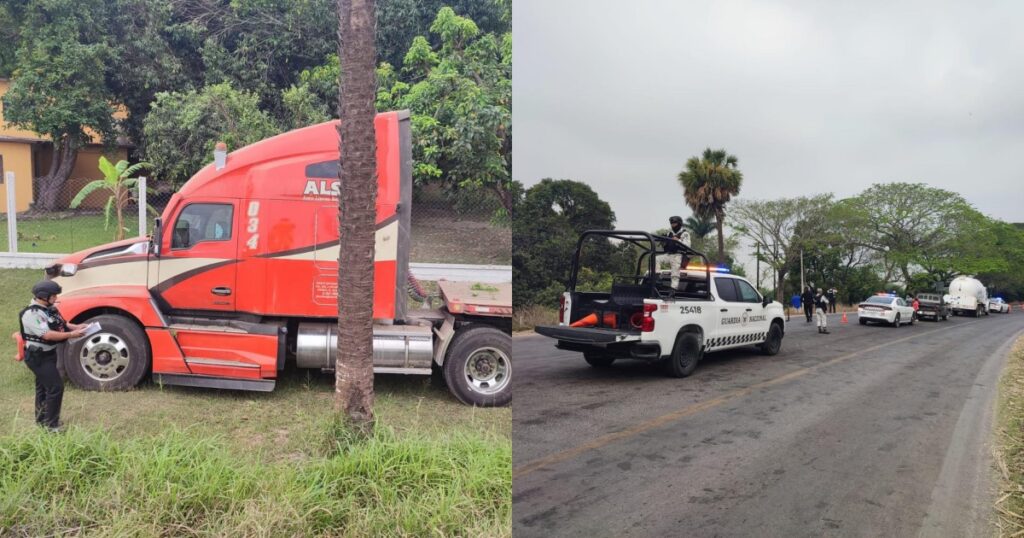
(765, 301)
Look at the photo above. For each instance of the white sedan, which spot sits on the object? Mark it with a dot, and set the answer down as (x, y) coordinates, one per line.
(885, 309)
(998, 305)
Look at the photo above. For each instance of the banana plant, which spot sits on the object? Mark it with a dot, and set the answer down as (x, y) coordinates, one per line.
(117, 181)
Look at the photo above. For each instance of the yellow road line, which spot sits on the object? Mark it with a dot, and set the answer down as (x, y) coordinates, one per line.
(657, 422)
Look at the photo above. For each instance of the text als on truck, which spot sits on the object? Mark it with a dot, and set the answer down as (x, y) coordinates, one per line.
(643, 317)
(240, 276)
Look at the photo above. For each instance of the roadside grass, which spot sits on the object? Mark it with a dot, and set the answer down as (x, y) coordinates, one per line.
(528, 317)
(188, 461)
(1009, 445)
(437, 237)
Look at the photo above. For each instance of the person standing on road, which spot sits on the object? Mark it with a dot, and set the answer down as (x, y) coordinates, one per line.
(832, 300)
(808, 301)
(678, 236)
(794, 301)
(820, 311)
(42, 328)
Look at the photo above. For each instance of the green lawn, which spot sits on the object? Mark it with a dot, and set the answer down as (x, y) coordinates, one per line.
(182, 461)
(64, 233)
(435, 238)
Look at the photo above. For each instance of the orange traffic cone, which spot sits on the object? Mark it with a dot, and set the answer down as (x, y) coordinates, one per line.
(844, 320)
(610, 319)
(586, 321)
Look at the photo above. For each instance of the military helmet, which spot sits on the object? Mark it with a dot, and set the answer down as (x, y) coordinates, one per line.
(45, 288)
(675, 220)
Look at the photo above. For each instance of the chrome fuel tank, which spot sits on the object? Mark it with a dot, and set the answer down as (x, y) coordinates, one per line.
(395, 347)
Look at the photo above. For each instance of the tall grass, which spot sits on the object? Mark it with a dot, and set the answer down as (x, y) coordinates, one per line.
(1009, 445)
(177, 484)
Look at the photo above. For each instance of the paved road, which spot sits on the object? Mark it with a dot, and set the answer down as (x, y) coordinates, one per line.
(869, 431)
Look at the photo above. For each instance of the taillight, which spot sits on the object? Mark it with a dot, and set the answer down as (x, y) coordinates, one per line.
(647, 324)
(561, 308)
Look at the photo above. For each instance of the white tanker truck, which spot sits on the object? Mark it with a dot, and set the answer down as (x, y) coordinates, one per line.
(968, 297)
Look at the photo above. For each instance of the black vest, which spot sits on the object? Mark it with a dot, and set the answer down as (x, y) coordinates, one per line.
(53, 320)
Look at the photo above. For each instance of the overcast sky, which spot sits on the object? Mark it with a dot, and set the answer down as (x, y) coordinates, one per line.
(811, 96)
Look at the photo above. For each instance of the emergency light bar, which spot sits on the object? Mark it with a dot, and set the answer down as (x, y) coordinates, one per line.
(719, 269)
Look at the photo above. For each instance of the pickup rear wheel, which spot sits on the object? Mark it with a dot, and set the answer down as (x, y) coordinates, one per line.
(478, 366)
(598, 360)
(116, 358)
(685, 355)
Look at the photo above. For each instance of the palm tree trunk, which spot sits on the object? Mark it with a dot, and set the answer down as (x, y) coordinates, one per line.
(356, 204)
(719, 221)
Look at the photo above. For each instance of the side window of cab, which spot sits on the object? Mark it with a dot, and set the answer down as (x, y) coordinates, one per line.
(726, 289)
(747, 292)
(202, 222)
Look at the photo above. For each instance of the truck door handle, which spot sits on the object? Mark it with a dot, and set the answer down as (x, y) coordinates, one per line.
(221, 291)
(750, 310)
(724, 310)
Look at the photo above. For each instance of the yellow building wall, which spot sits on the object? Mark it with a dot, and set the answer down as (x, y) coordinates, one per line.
(18, 159)
(86, 169)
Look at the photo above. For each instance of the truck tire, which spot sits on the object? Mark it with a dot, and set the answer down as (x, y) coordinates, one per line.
(773, 343)
(686, 353)
(116, 358)
(598, 360)
(863, 321)
(478, 366)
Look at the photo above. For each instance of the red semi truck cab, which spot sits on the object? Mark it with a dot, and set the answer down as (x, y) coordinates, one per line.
(240, 278)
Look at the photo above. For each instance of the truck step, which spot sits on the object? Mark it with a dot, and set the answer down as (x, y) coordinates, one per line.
(187, 380)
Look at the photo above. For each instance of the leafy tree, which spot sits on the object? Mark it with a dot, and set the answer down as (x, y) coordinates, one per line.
(146, 63)
(709, 182)
(302, 107)
(118, 182)
(183, 127)
(357, 145)
(400, 21)
(59, 90)
(460, 95)
(772, 224)
(547, 222)
(912, 225)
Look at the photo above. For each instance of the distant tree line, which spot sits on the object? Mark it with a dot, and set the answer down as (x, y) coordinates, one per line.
(905, 236)
(173, 77)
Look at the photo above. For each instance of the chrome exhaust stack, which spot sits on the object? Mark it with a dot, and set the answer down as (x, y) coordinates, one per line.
(396, 348)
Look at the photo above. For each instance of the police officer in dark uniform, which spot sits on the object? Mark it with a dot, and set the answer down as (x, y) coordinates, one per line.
(42, 328)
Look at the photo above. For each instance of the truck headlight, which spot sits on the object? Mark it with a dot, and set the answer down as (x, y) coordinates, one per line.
(68, 269)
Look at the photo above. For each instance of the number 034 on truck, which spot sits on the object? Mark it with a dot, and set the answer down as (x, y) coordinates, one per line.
(641, 315)
(240, 277)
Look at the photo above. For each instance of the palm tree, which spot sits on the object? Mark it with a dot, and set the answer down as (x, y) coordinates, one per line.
(117, 181)
(357, 214)
(709, 182)
(700, 227)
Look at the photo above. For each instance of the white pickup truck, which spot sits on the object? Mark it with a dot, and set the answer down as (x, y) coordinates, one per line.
(645, 317)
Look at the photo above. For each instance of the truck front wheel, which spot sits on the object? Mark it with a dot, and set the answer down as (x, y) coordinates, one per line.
(116, 358)
(478, 367)
(685, 355)
(773, 343)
